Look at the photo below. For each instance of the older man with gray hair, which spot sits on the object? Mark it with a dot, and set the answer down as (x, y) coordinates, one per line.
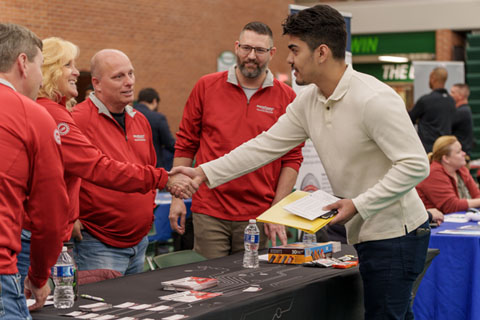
(114, 224)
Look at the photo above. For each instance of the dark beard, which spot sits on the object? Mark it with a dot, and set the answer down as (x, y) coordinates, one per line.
(251, 74)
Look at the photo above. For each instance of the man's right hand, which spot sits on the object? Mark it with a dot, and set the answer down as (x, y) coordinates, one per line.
(39, 294)
(77, 231)
(437, 215)
(181, 185)
(177, 210)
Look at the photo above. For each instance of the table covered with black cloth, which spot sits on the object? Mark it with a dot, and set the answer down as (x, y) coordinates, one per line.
(287, 292)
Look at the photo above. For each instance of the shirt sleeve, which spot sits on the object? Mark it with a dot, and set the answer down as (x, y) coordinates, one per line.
(388, 125)
(86, 161)
(294, 157)
(417, 111)
(270, 145)
(48, 200)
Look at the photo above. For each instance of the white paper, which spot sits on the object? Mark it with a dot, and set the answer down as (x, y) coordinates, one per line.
(461, 232)
(31, 302)
(310, 207)
(175, 317)
(252, 289)
(125, 305)
(87, 316)
(456, 217)
(74, 313)
(140, 306)
(105, 317)
(263, 257)
(48, 302)
(159, 308)
(93, 305)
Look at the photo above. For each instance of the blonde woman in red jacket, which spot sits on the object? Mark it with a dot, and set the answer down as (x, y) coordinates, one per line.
(449, 187)
(82, 160)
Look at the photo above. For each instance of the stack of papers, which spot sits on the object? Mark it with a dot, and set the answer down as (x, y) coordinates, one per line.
(470, 230)
(189, 283)
(278, 214)
(190, 296)
(310, 207)
(456, 217)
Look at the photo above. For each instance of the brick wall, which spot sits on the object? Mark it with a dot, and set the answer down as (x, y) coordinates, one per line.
(446, 41)
(171, 43)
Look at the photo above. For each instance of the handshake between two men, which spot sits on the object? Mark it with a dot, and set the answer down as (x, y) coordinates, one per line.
(184, 181)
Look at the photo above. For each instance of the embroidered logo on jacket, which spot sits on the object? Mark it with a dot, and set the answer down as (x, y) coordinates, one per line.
(139, 137)
(63, 128)
(56, 136)
(265, 109)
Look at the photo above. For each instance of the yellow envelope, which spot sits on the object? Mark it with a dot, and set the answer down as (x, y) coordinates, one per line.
(277, 214)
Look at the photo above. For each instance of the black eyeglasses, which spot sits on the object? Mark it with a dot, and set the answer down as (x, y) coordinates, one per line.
(246, 49)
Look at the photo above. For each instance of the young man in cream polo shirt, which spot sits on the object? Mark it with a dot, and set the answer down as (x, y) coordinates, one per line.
(371, 154)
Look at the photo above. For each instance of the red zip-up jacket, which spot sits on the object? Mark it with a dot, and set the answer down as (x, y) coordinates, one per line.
(116, 218)
(217, 118)
(84, 160)
(439, 190)
(31, 184)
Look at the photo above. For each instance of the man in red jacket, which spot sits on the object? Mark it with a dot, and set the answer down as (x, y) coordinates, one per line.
(115, 224)
(224, 110)
(31, 173)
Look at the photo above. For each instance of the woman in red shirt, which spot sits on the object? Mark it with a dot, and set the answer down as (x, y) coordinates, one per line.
(449, 187)
(82, 160)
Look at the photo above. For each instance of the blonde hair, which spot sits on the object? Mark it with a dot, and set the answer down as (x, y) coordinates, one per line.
(56, 54)
(441, 147)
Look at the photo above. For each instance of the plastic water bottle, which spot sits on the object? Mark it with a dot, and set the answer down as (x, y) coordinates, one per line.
(69, 246)
(309, 238)
(251, 239)
(63, 277)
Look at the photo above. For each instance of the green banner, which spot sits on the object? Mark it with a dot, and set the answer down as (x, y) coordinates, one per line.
(387, 72)
(390, 43)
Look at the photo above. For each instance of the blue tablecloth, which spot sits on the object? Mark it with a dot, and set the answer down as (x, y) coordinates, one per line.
(450, 289)
(162, 224)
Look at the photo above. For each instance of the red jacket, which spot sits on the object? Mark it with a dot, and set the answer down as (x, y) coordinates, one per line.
(116, 218)
(217, 118)
(31, 184)
(84, 160)
(439, 190)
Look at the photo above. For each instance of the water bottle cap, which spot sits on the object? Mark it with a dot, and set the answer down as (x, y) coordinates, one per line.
(252, 221)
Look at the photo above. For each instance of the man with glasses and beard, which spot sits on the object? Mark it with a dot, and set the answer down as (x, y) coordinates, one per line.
(224, 110)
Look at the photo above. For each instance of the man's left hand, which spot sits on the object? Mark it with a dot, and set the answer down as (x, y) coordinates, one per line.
(346, 210)
(39, 294)
(273, 230)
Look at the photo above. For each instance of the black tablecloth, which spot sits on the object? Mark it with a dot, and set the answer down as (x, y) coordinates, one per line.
(287, 292)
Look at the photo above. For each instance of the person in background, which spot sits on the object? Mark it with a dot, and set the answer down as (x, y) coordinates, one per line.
(462, 123)
(434, 112)
(360, 128)
(88, 90)
(31, 174)
(449, 187)
(164, 143)
(114, 224)
(224, 110)
(82, 160)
